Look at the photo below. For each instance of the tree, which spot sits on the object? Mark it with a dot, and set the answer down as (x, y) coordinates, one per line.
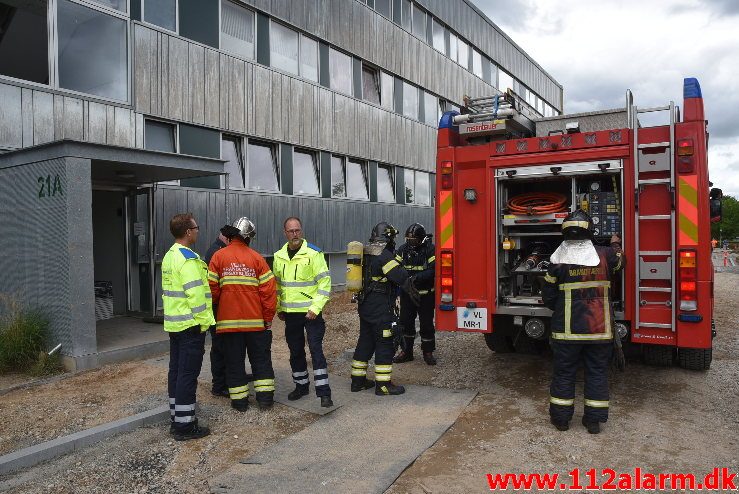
(728, 227)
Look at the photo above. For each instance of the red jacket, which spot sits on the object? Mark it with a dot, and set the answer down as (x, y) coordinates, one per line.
(243, 288)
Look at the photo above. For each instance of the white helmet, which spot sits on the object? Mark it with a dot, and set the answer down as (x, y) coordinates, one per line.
(245, 227)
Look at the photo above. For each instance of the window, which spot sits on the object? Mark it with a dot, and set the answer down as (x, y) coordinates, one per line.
(162, 13)
(437, 36)
(422, 189)
(540, 105)
(410, 100)
(505, 81)
(262, 167)
(159, 136)
(338, 178)
(408, 178)
(385, 184)
(370, 84)
(405, 14)
(477, 63)
(237, 30)
(93, 53)
(283, 48)
(491, 74)
(234, 166)
(384, 7)
(530, 98)
(309, 58)
(356, 180)
(23, 24)
(453, 46)
(430, 109)
(463, 54)
(419, 22)
(340, 71)
(305, 173)
(113, 4)
(386, 94)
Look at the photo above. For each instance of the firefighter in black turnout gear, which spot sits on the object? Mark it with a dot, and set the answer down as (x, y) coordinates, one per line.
(577, 288)
(417, 256)
(381, 275)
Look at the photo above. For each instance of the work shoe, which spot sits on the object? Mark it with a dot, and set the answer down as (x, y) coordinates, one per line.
(388, 388)
(219, 392)
(326, 402)
(362, 385)
(297, 393)
(592, 427)
(429, 358)
(561, 426)
(196, 432)
(241, 405)
(403, 356)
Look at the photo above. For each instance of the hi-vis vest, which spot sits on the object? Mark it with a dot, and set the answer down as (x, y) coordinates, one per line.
(303, 282)
(185, 293)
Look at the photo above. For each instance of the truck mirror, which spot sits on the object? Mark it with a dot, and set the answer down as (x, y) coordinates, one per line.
(715, 204)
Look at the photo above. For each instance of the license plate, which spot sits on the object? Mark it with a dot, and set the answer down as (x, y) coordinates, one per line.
(476, 319)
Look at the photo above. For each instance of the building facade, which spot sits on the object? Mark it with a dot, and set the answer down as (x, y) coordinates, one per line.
(324, 109)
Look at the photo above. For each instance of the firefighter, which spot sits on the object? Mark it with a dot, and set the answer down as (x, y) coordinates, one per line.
(577, 287)
(416, 255)
(244, 291)
(187, 316)
(303, 287)
(382, 274)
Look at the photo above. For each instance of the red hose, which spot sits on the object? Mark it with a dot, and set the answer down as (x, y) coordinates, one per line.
(532, 203)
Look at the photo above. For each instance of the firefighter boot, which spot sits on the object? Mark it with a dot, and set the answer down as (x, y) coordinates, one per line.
(297, 393)
(561, 426)
(360, 383)
(240, 405)
(592, 427)
(429, 358)
(196, 432)
(403, 356)
(388, 388)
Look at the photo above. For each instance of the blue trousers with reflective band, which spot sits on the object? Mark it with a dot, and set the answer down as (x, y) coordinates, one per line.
(596, 358)
(186, 349)
(297, 327)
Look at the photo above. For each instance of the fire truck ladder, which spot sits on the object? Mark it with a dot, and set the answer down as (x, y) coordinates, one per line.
(655, 159)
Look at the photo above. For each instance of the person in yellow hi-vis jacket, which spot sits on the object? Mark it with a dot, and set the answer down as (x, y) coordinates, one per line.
(188, 314)
(303, 288)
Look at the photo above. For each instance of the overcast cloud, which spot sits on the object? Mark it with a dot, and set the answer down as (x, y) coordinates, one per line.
(597, 49)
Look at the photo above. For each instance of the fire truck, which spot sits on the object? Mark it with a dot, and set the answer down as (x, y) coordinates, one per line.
(506, 180)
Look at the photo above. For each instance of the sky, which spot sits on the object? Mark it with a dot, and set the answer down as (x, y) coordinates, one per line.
(598, 49)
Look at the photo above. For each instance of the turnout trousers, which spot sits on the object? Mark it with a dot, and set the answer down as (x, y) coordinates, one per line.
(217, 361)
(425, 313)
(186, 349)
(595, 358)
(297, 328)
(374, 338)
(258, 346)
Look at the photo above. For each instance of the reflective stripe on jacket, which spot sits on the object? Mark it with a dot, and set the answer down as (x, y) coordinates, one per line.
(243, 289)
(186, 297)
(303, 282)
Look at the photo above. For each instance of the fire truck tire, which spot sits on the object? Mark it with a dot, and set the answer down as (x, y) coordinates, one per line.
(695, 358)
(498, 342)
(522, 343)
(658, 355)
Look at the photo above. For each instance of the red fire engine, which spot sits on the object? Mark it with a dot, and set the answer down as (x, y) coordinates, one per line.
(506, 180)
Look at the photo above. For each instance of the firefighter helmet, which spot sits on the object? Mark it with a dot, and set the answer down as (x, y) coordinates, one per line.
(415, 234)
(383, 232)
(245, 227)
(577, 226)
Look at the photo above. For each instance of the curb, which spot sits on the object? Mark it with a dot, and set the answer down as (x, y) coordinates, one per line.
(33, 455)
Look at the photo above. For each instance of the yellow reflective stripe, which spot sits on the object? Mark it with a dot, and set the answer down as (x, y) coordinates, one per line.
(239, 389)
(238, 396)
(550, 279)
(431, 259)
(425, 292)
(240, 323)
(213, 276)
(381, 279)
(414, 268)
(359, 364)
(565, 402)
(266, 277)
(398, 258)
(383, 368)
(263, 382)
(238, 280)
(584, 284)
(359, 372)
(596, 403)
(584, 336)
(390, 265)
(581, 224)
(383, 377)
(386, 333)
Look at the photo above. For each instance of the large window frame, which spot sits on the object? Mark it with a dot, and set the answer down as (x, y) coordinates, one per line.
(364, 170)
(241, 161)
(382, 191)
(371, 76)
(315, 164)
(349, 90)
(275, 152)
(238, 5)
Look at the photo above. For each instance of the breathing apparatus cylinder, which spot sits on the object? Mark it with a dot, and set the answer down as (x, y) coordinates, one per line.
(354, 252)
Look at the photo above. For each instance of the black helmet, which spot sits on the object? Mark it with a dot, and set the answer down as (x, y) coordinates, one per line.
(577, 226)
(415, 234)
(383, 231)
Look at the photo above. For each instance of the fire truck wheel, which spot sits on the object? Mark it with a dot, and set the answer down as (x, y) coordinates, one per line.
(658, 355)
(522, 343)
(695, 358)
(498, 342)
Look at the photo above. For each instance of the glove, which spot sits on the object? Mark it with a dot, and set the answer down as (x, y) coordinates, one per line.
(409, 287)
(618, 360)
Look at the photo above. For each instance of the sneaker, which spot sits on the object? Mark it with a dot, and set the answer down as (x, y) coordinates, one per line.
(403, 356)
(561, 426)
(196, 432)
(326, 402)
(592, 427)
(361, 386)
(429, 358)
(297, 393)
(388, 388)
(240, 405)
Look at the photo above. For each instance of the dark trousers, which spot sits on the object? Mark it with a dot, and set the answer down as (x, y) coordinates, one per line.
(375, 337)
(186, 349)
(217, 361)
(258, 345)
(297, 327)
(567, 357)
(425, 313)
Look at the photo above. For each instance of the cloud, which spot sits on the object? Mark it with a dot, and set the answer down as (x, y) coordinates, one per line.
(510, 13)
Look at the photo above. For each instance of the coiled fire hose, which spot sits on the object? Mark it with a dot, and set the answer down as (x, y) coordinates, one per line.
(533, 203)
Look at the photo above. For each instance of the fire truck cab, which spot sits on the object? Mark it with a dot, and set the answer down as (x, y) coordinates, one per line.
(507, 179)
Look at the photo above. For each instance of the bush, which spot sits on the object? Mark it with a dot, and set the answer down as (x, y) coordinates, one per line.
(23, 338)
